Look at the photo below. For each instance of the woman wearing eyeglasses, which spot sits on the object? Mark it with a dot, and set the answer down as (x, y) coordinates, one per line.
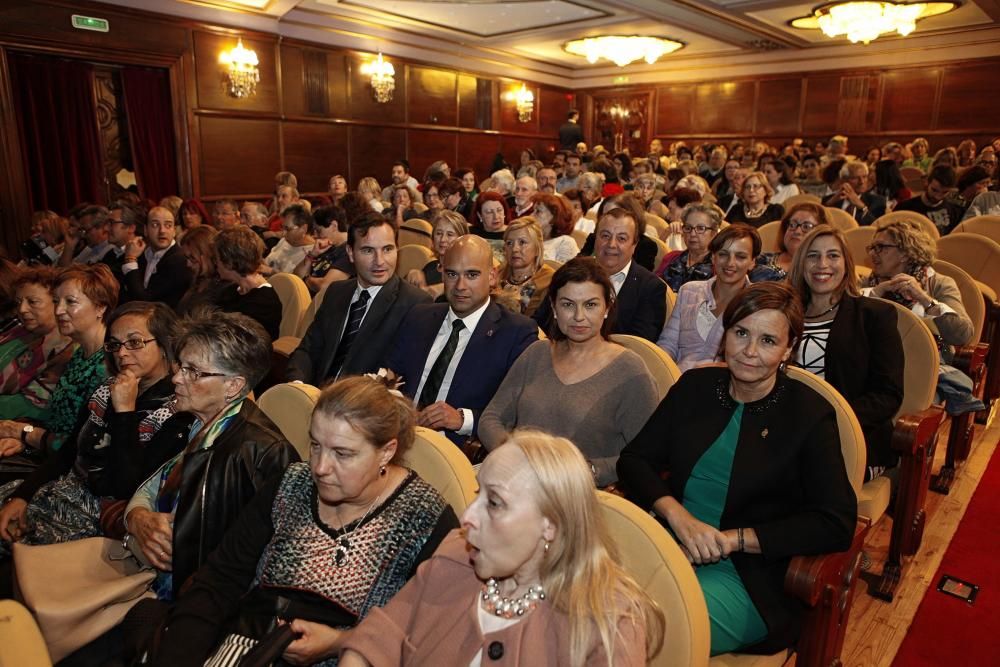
(699, 225)
(107, 458)
(799, 220)
(756, 209)
(692, 334)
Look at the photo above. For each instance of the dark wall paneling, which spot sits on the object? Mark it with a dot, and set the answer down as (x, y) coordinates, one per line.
(315, 82)
(211, 75)
(511, 146)
(674, 109)
(966, 100)
(778, 106)
(293, 96)
(431, 97)
(552, 106)
(908, 99)
(725, 107)
(314, 152)
(476, 151)
(363, 105)
(822, 102)
(373, 150)
(238, 155)
(427, 146)
(468, 102)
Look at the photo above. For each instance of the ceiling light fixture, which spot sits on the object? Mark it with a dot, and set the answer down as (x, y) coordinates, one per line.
(622, 49)
(383, 78)
(865, 21)
(242, 73)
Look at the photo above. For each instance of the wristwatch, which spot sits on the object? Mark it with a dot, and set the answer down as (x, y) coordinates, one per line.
(932, 304)
(28, 428)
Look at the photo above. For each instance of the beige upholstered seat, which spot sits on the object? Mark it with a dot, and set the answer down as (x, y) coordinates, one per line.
(553, 263)
(410, 257)
(911, 216)
(801, 198)
(285, 345)
(858, 239)
(294, 297)
(290, 407)
(984, 225)
(21, 642)
(416, 232)
(580, 237)
(972, 297)
(671, 302)
(661, 249)
(841, 219)
(977, 255)
(659, 224)
(440, 463)
(663, 369)
(769, 234)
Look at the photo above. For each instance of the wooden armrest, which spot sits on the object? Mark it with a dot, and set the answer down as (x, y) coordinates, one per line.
(615, 488)
(808, 576)
(474, 451)
(971, 358)
(112, 519)
(912, 432)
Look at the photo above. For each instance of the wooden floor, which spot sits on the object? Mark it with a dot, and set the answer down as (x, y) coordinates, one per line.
(876, 628)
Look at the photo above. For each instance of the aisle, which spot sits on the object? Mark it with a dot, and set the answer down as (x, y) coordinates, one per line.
(947, 630)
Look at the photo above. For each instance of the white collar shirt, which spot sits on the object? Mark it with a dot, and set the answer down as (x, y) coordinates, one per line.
(618, 279)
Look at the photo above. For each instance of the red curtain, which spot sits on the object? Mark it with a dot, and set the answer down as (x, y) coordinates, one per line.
(151, 131)
(54, 101)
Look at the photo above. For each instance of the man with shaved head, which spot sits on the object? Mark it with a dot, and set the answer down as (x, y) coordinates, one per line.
(452, 357)
(154, 268)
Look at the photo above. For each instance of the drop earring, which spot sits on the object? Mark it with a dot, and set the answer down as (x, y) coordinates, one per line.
(382, 471)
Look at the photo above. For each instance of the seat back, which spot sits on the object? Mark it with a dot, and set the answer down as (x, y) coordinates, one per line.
(914, 179)
(920, 359)
(21, 642)
(442, 465)
(409, 257)
(801, 198)
(769, 234)
(580, 237)
(553, 264)
(416, 232)
(852, 438)
(661, 250)
(976, 255)
(910, 216)
(858, 239)
(984, 225)
(659, 224)
(841, 219)
(294, 297)
(653, 559)
(661, 367)
(671, 302)
(972, 298)
(290, 406)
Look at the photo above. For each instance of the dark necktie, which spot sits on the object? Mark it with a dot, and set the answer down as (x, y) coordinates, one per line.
(440, 367)
(354, 318)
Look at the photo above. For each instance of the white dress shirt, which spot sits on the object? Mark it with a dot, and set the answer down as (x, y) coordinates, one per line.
(152, 259)
(618, 279)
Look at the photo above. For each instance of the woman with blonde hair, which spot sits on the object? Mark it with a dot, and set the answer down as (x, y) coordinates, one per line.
(524, 273)
(369, 188)
(756, 210)
(448, 226)
(537, 564)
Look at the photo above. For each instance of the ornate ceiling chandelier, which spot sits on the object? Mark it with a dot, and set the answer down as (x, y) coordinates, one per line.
(622, 49)
(864, 21)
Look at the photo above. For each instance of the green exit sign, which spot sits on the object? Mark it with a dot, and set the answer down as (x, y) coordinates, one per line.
(90, 23)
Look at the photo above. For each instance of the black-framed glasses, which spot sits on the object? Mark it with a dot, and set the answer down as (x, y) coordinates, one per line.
(877, 248)
(697, 229)
(805, 225)
(192, 374)
(113, 346)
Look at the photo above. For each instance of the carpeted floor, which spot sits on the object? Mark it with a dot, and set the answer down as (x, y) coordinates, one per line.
(947, 630)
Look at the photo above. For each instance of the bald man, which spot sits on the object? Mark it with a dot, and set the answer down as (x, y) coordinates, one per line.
(154, 267)
(453, 356)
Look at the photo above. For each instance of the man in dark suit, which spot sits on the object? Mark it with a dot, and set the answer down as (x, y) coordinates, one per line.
(452, 357)
(570, 132)
(157, 271)
(641, 306)
(866, 207)
(359, 317)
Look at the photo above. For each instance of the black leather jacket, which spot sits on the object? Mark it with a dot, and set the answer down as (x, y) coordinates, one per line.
(219, 481)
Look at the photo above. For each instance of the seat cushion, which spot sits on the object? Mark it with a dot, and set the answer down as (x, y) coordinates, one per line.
(873, 500)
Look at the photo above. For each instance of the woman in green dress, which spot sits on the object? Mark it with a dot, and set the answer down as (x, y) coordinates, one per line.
(756, 474)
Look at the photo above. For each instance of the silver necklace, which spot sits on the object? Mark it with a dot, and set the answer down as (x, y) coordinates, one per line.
(343, 549)
(504, 607)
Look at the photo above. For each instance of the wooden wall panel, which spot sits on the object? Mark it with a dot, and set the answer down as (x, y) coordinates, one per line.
(822, 100)
(431, 97)
(373, 150)
(292, 91)
(363, 105)
(468, 101)
(552, 106)
(210, 74)
(314, 152)
(724, 107)
(778, 106)
(908, 99)
(476, 151)
(674, 106)
(428, 146)
(966, 101)
(238, 155)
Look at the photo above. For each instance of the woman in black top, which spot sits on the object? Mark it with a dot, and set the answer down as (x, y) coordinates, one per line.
(240, 251)
(756, 209)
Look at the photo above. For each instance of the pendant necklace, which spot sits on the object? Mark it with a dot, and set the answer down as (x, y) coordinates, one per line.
(343, 549)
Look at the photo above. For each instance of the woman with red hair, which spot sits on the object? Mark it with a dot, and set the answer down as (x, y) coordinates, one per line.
(555, 217)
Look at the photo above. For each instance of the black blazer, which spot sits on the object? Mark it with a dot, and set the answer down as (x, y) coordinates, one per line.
(788, 480)
(864, 362)
(876, 207)
(313, 359)
(641, 307)
(167, 284)
(499, 339)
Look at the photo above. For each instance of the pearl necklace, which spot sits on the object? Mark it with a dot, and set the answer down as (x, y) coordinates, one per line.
(504, 607)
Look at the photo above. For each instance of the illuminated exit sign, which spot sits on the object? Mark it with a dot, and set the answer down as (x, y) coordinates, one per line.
(90, 23)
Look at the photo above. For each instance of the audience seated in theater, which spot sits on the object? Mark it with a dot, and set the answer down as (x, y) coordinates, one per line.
(677, 201)
(254, 215)
(157, 271)
(524, 189)
(577, 385)
(172, 203)
(225, 214)
(850, 340)
(972, 182)
(646, 248)
(966, 150)
(359, 317)
(849, 194)
(232, 450)
(490, 217)
(239, 251)
(9, 273)
(555, 217)
(524, 274)
(405, 203)
(734, 199)
(538, 542)
(400, 175)
(987, 203)
(85, 296)
(448, 226)
(779, 177)
(692, 334)
(437, 171)
(432, 199)
(947, 156)
(86, 237)
(797, 222)
(934, 202)
(123, 220)
(919, 157)
(282, 178)
(811, 182)
(755, 479)
(289, 557)
(452, 357)
(108, 456)
(699, 223)
(546, 179)
(576, 205)
(889, 183)
(988, 160)
(191, 214)
(645, 189)
(46, 243)
(452, 194)
(591, 186)
(327, 262)
(34, 352)
(287, 195)
(467, 177)
(755, 208)
(371, 192)
(725, 184)
(198, 248)
(336, 188)
(571, 174)
(296, 244)
(902, 254)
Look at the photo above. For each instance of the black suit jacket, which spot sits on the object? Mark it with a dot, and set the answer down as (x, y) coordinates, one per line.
(312, 360)
(876, 207)
(498, 340)
(167, 284)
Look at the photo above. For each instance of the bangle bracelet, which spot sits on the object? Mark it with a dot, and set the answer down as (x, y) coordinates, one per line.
(739, 536)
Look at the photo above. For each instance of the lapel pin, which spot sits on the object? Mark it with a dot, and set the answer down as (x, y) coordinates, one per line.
(489, 334)
(763, 433)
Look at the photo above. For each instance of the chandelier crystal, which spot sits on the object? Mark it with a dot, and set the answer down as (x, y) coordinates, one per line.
(622, 49)
(242, 73)
(383, 79)
(524, 102)
(864, 21)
